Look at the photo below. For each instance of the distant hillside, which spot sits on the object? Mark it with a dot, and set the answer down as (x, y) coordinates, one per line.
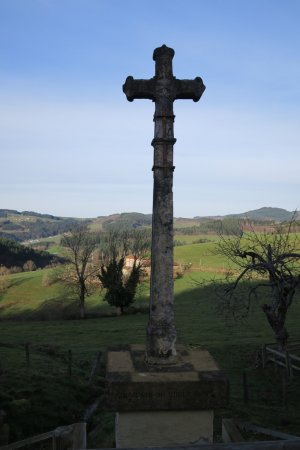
(264, 214)
(121, 221)
(28, 225)
(267, 213)
(13, 254)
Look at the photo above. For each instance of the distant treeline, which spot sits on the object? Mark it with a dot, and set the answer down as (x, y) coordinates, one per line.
(9, 212)
(227, 226)
(232, 225)
(127, 221)
(13, 254)
(135, 220)
(36, 229)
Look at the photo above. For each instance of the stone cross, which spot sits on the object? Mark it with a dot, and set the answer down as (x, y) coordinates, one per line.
(162, 89)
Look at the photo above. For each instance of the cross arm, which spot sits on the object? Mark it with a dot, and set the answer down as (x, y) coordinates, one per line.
(189, 89)
(139, 89)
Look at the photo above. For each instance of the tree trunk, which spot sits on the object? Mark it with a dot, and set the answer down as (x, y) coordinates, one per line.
(81, 301)
(282, 338)
(276, 321)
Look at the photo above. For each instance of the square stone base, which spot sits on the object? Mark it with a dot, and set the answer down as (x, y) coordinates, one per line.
(193, 382)
(163, 428)
(163, 405)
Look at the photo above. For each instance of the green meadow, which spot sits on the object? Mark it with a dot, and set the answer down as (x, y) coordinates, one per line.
(43, 395)
(200, 256)
(32, 295)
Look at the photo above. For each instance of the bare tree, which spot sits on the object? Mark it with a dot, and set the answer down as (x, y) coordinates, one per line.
(80, 244)
(119, 244)
(269, 260)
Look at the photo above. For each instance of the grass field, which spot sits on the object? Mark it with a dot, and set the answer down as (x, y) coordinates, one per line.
(193, 238)
(201, 256)
(30, 296)
(42, 396)
(234, 345)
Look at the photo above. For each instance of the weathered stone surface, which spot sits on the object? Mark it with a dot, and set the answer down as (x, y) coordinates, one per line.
(193, 383)
(163, 89)
(163, 428)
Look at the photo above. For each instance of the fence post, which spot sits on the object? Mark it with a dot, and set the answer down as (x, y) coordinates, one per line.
(245, 387)
(63, 438)
(54, 446)
(263, 356)
(94, 367)
(230, 431)
(70, 363)
(289, 368)
(79, 436)
(284, 389)
(27, 353)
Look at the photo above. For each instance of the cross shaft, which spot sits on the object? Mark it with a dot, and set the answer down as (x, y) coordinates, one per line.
(163, 89)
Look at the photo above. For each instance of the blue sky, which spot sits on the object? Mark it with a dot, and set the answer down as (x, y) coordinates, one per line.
(72, 145)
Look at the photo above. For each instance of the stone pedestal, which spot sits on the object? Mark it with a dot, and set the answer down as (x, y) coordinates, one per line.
(163, 405)
(163, 428)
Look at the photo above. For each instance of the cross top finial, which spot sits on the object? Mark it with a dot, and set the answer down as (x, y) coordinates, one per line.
(163, 62)
(163, 51)
(163, 87)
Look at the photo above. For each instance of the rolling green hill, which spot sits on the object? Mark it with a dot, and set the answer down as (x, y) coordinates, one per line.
(27, 225)
(32, 226)
(267, 213)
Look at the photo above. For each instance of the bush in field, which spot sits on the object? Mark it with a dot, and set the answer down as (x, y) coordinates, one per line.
(119, 281)
(4, 279)
(120, 289)
(29, 266)
(14, 269)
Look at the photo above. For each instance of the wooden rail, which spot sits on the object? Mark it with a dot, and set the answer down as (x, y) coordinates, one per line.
(232, 433)
(29, 441)
(71, 437)
(254, 445)
(287, 358)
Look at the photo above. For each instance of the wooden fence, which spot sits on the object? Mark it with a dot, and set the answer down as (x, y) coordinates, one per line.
(30, 349)
(32, 355)
(72, 437)
(289, 359)
(232, 431)
(291, 444)
(41, 358)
